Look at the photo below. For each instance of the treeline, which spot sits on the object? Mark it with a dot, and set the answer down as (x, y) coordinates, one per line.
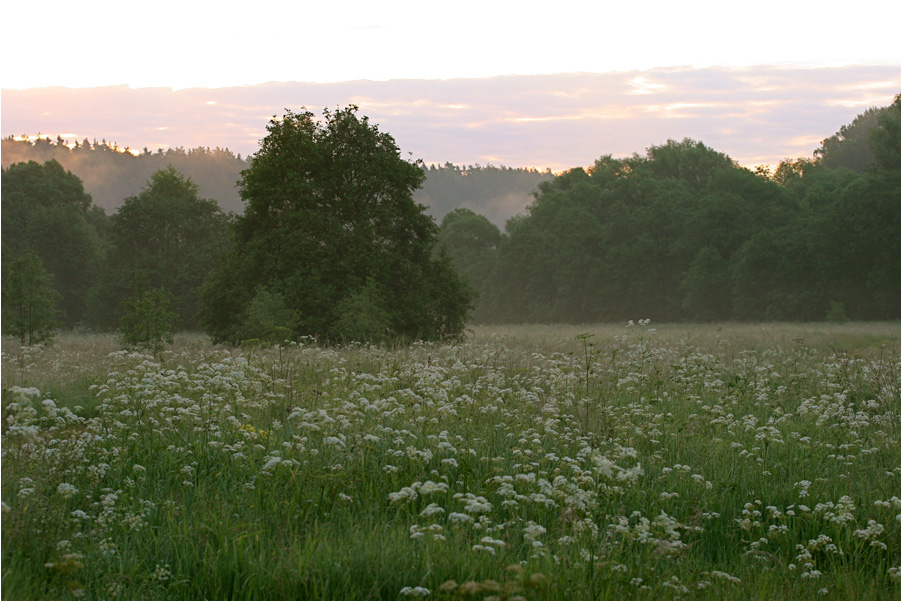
(683, 233)
(165, 237)
(111, 173)
(331, 245)
(498, 193)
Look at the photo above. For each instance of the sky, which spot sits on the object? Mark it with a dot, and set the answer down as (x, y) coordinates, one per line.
(541, 84)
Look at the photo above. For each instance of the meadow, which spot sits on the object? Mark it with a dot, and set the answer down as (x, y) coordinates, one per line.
(541, 462)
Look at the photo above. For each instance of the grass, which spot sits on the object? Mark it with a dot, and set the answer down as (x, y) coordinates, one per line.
(549, 462)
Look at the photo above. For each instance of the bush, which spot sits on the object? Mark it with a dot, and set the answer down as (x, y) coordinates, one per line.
(361, 317)
(267, 321)
(836, 313)
(149, 320)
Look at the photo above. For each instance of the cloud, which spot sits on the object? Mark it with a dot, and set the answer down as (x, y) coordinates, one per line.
(755, 114)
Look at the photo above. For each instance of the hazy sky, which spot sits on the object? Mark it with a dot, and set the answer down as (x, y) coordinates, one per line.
(759, 81)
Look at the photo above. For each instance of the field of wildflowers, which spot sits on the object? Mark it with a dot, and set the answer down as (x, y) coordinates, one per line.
(730, 462)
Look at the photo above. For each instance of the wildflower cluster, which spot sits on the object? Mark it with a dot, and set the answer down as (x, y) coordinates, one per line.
(623, 466)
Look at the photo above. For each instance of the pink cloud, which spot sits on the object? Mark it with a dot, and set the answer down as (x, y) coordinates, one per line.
(755, 115)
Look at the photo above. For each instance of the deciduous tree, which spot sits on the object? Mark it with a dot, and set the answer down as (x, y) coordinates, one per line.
(331, 223)
(29, 302)
(168, 237)
(46, 211)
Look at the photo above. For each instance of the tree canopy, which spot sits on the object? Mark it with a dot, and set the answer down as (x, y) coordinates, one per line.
(46, 211)
(684, 233)
(854, 145)
(165, 237)
(29, 301)
(331, 227)
(334, 244)
(472, 242)
(111, 174)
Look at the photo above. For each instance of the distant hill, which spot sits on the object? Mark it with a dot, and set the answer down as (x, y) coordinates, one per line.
(111, 173)
(495, 192)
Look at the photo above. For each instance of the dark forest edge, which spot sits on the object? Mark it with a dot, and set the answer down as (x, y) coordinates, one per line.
(681, 233)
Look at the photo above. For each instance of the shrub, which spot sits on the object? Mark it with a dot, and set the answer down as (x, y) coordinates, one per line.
(836, 313)
(149, 320)
(267, 321)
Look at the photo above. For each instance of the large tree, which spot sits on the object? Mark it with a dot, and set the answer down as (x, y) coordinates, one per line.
(331, 228)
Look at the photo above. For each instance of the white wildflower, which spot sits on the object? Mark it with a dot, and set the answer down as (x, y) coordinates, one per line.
(432, 509)
(66, 490)
(161, 574)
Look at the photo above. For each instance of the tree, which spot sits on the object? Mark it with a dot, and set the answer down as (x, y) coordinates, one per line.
(331, 224)
(46, 211)
(472, 242)
(687, 160)
(707, 287)
(858, 240)
(776, 276)
(884, 139)
(169, 237)
(29, 301)
(148, 320)
(867, 139)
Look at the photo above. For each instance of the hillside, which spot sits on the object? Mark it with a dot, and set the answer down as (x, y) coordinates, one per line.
(110, 174)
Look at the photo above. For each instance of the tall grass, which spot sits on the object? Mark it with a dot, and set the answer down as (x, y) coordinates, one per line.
(706, 462)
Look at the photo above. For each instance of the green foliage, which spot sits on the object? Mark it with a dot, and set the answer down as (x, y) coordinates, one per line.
(774, 278)
(857, 241)
(706, 287)
(30, 304)
(683, 233)
(169, 236)
(46, 211)
(148, 320)
(687, 160)
(111, 175)
(330, 214)
(361, 316)
(836, 313)
(871, 137)
(472, 242)
(617, 239)
(267, 321)
(885, 138)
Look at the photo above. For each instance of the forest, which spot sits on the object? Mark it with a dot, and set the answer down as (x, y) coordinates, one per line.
(111, 173)
(679, 233)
